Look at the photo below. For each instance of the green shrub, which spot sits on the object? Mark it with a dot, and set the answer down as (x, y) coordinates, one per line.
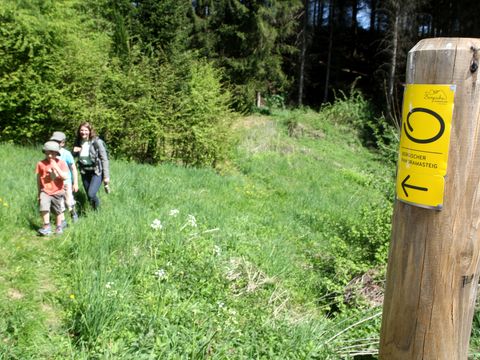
(354, 112)
(176, 113)
(348, 110)
(27, 49)
(58, 70)
(386, 138)
(356, 245)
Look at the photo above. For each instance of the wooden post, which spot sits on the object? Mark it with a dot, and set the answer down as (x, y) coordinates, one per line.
(432, 273)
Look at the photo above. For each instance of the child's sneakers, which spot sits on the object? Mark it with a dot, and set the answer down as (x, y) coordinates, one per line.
(45, 231)
(59, 230)
(64, 224)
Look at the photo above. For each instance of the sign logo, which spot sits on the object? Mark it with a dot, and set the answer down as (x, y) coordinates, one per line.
(424, 142)
(409, 131)
(436, 96)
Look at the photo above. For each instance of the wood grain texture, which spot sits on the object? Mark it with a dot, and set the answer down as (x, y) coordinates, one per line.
(432, 273)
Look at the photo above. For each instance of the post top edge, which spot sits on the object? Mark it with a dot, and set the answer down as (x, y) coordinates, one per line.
(446, 43)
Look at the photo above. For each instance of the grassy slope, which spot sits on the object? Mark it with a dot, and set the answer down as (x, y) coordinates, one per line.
(238, 285)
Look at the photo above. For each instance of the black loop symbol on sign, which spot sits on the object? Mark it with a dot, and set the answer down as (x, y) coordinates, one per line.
(410, 128)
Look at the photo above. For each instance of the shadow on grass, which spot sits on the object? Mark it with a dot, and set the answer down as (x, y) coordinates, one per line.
(81, 203)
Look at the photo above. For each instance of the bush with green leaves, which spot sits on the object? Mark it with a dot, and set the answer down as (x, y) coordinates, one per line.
(357, 245)
(353, 112)
(58, 69)
(168, 112)
(28, 41)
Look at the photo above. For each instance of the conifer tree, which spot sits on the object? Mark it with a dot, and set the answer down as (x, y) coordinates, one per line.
(248, 40)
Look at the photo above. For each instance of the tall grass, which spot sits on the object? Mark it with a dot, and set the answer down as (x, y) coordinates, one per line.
(189, 263)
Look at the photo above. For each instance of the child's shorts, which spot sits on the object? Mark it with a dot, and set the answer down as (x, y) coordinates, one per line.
(55, 203)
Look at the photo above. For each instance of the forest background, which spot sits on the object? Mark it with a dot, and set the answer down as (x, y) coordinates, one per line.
(160, 80)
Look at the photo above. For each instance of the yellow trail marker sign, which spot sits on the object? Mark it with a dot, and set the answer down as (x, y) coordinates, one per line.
(424, 140)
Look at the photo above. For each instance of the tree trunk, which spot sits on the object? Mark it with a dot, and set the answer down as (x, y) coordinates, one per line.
(354, 26)
(320, 13)
(303, 51)
(393, 66)
(373, 8)
(330, 47)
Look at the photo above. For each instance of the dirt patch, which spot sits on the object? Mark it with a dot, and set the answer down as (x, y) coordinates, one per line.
(368, 287)
(261, 136)
(46, 286)
(250, 122)
(298, 130)
(14, 294)
(245, 277)
(51, 317)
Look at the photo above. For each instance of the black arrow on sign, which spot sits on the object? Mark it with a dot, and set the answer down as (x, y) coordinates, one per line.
(405, 185)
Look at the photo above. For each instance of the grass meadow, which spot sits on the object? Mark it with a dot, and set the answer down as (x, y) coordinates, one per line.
(255, 261)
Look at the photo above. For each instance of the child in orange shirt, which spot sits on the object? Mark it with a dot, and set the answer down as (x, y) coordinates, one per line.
(51, 172)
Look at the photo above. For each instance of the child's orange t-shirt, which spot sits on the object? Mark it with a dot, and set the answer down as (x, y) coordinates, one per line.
(49, 183)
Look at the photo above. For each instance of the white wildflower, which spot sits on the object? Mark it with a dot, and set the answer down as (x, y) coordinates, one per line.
(135, 251)
(110, 289)
(220, 304)
(174, 212)
(192, 221)
(160, 273)
(156, 225)
(217, 250)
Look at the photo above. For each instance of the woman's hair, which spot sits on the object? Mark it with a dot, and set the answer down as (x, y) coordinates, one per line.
(90, 128)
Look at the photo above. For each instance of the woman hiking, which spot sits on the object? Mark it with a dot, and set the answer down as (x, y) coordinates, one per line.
(92, 162)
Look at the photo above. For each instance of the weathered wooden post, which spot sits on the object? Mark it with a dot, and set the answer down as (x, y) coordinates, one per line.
(432, 273)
